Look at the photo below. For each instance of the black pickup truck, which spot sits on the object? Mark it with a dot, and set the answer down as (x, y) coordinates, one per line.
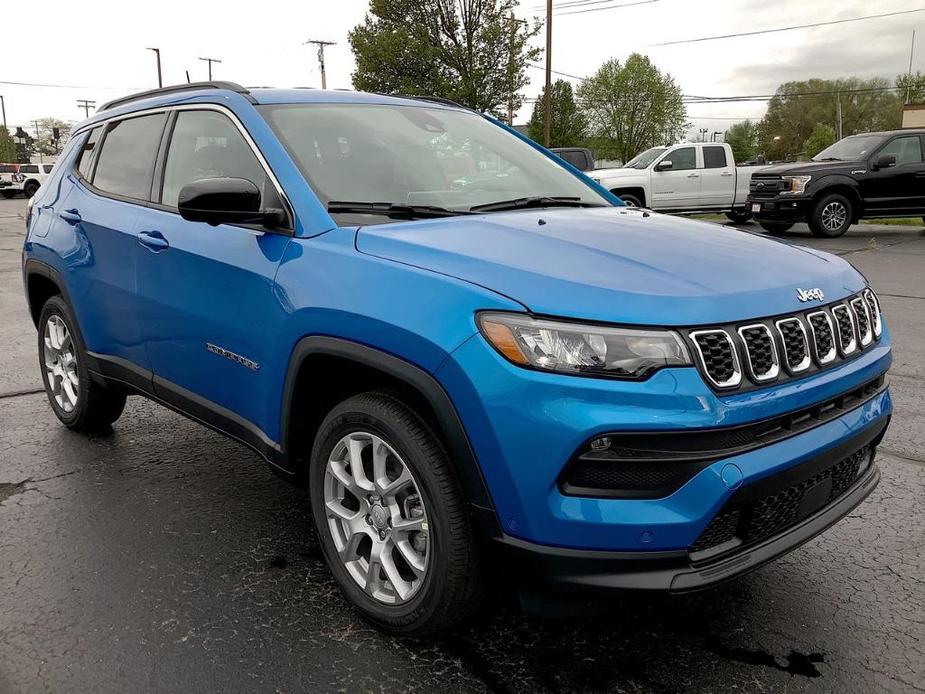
(861, 176)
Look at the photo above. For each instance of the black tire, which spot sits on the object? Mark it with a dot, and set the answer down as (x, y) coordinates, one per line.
(828, 210)
(30, 189)
(97, 406)
(738, 216)
(8, 193)
(775, 227)
(630, 200)
(450, 587)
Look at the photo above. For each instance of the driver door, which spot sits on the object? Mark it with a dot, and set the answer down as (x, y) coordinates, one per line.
(208, 310)
(677, 187)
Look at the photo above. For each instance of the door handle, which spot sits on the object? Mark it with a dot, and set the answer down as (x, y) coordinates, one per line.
(70, 216)
(693, 175)
(153, 241)
(727, 173)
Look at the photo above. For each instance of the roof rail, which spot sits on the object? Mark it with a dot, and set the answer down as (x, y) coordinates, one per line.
(231, 86)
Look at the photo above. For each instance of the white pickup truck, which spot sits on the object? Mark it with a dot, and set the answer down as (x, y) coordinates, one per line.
(690, 177)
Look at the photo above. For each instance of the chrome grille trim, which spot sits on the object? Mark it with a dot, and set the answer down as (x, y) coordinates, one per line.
(829, 356)
(771, 373)
(861, 314)
(807, 360)
(852, 346)
(736, 377)
(873, 304)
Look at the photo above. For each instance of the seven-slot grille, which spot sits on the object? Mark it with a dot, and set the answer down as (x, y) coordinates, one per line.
(772, 349)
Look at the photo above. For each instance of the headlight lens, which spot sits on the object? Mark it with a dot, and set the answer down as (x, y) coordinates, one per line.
(797, 184)
(574, 348)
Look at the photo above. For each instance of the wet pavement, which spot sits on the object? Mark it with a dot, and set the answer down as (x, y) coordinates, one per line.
(164, 557)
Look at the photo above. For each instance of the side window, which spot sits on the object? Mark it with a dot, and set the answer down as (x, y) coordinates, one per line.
(126, 161)
(86, 154)
(906, 149)
(29, 169)
(714, 158)
(682, 159)
(48, 167)
(206, 144)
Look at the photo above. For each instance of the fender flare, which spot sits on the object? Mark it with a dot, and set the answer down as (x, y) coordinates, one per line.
(447, 417)
(34, 267)
(822, 186)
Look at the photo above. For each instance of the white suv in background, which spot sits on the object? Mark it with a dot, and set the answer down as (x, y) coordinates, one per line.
(32, 176)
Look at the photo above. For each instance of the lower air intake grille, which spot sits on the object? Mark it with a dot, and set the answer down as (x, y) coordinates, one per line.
(761, 517)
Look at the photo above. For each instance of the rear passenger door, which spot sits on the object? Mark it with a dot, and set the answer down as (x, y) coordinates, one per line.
(95, 232)
(718, 178)
(209, 311)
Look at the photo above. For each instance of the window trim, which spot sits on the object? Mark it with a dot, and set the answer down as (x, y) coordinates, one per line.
(161, 157)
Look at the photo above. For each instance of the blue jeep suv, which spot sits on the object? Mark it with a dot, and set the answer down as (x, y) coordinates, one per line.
(485, 368)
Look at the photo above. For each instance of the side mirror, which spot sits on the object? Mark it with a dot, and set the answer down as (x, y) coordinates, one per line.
(224, 201)
(885, 161)
(664, 165)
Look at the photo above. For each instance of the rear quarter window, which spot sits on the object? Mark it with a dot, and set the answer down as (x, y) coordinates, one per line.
(29, 169)
(86, 153)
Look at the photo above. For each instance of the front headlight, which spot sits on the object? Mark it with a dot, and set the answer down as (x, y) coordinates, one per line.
(797, 184)
(575, 348)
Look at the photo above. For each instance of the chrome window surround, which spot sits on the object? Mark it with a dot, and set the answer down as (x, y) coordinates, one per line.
(868, 336)
(775, 365)
(807, 360)
(736, 377)
(852, 346)
(833, 352)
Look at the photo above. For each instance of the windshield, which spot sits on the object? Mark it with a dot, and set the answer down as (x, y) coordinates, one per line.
(416, 156)
(642, 160)
(850, 149)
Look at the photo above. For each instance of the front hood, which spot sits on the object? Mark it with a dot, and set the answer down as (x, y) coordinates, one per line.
(809, 167)
(617, 264)
(600, 174)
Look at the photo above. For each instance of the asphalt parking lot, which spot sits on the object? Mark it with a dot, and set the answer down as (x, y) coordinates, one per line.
(164, 557)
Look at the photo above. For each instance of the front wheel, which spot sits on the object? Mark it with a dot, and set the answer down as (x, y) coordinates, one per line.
(831, 216)
(630, 200)
(738, 216)
(78, 401)
(391, 516)
(775, 227)
(30, 189)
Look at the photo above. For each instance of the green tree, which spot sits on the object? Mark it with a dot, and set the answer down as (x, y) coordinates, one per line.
(471, 51)
(743, 138)
(821, 137)
(7, 146)
(797, 107)
(45, 142)
(568, 124)
(911, 88)
(631, 107)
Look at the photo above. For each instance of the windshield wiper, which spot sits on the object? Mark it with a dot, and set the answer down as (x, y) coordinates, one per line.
(828, 159)
(535, 201)
(393, 209)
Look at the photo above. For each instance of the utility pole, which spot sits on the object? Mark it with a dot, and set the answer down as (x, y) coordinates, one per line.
(838, 113)
(210, 61)
(35, 124)
(86, 106)
(157, 51)
(510, 73)
(547, 101)
(909, 73)
(703, 134)
(3, 108)
(321, 45)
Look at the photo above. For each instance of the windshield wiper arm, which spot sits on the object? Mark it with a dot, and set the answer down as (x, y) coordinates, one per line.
(393, 209)
(535, 201)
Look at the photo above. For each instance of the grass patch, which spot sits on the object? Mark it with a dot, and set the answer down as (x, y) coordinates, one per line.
(898, 221)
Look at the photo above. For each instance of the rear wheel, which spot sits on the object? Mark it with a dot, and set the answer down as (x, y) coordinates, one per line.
(831, 216)
(738, 216)
(78, 401)
(776, 227)
(630, 200)
(30, 189)
(391, 516)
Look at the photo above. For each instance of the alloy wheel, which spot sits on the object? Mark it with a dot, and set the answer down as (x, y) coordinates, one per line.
(377, 518)
(61, 364)
(833, 216)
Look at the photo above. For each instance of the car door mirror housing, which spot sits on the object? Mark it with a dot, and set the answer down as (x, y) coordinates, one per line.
(225, 201)
(885, 161)
(664, 165)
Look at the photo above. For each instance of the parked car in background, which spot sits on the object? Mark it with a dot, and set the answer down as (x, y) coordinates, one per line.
(690, 177)
(581, 158)
(488, 379)
(10, 180)
(861, 176)
(33, 176)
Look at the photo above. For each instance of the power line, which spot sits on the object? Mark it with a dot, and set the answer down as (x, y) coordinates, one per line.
(556, 72)
(610, 7)
(790, 28)
(63, 86)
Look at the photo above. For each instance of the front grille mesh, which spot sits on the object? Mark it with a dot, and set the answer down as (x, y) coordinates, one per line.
(760, 518)
(804, 343)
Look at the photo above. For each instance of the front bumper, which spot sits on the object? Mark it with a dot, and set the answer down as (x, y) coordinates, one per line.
(541, 569)
(780, 208)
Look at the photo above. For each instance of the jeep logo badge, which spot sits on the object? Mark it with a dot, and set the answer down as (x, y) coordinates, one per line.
(810, 294)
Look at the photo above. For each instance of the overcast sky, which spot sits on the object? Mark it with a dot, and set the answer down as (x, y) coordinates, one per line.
(99, 47)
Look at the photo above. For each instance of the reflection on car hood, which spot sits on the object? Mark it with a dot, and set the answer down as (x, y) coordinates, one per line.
(617, 264)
